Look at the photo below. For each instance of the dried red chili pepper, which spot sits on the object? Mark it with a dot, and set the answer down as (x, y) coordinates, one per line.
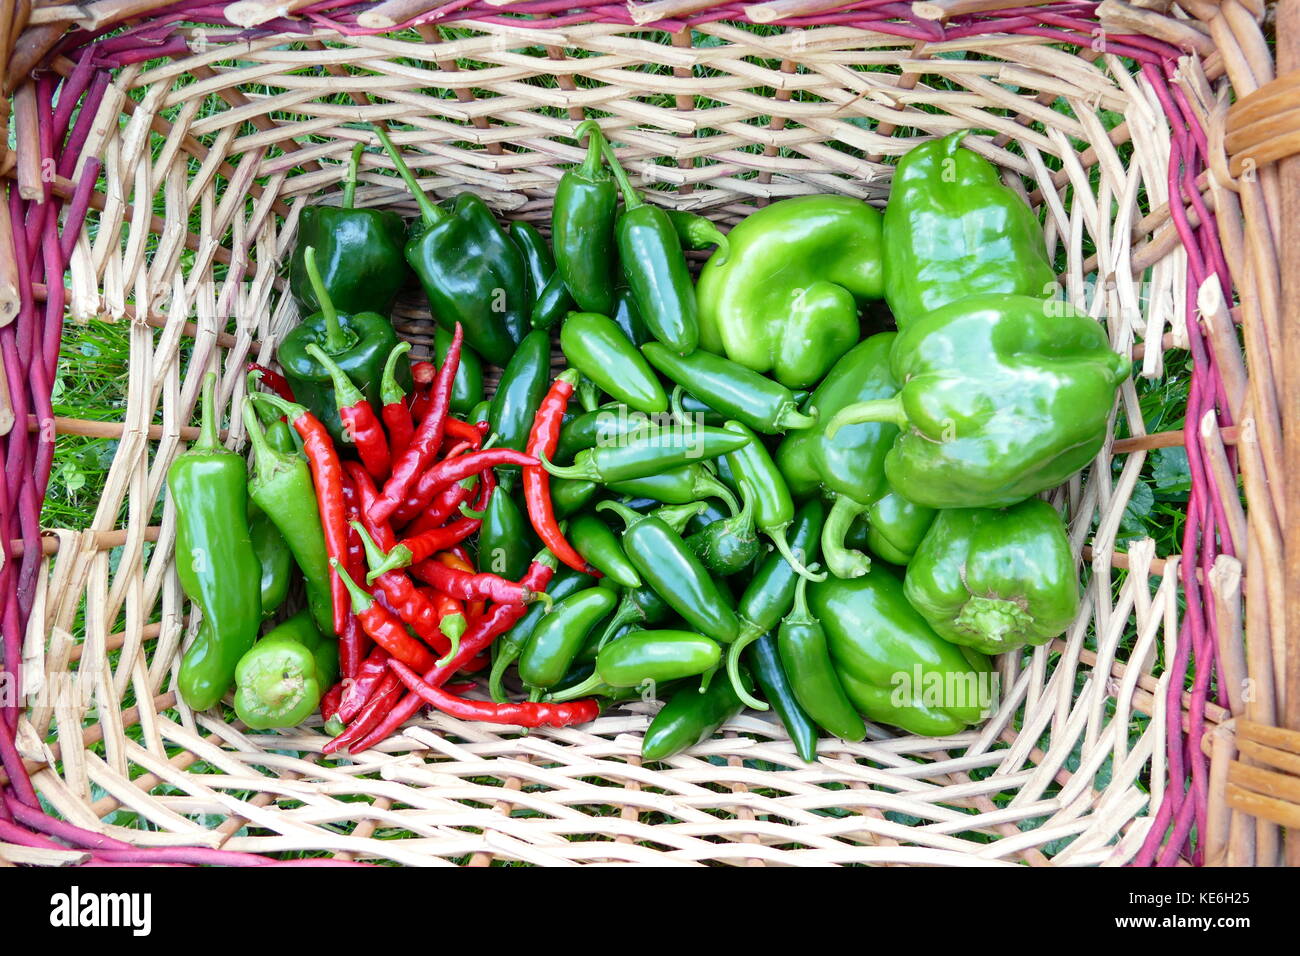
(477, 639)
(396, 413)
(521, 714)
(542, 440)
(383, 626)
(327, 476)
(427, 438)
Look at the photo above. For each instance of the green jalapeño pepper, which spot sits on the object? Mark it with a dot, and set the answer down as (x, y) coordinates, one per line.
(597, 348)
(682, 485)
(729, 545)
(668, 566)
(847, 467)
(690, 717)
(539, 264)
(896, 526)
(472, 273)
(725, 386)
(1003, 396)
(698, 232)
(279, 681)
(281, 486)
(995, 580)
(553, 303)
(599, 546)
(358, 253)
(760, 480)
(603, 425)
(805, 657)
(510, 645)
(359, 343)
(467, 387)
(520, 391)
(215, 559)
(570, 495)
(775, 684)
(560, 635)
(647, 453)
(655, 268)
(952, 229)
(786, 299)
(628, 317)
(637, 608)
(647, 658)
(506, 543)
(276, 560)
(892, 665)
(582, 226)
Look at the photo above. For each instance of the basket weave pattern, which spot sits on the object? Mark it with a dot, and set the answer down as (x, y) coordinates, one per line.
(1094, 755)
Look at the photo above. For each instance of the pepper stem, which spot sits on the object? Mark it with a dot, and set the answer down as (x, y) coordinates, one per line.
(266, 460)
(782, 545)
(399, 557)
(592, 165)
(350, 184)
(361, 601)
(374, 554)
(799, 613)
(429, 210)
(346, 393)
(506, 656)
(733, 669)
(842, 561)
(335, 339)
(209, 434)
(251, 381)
(581, 689)
(453, 628)
(714, 486)
(579, 470)
(623, 511)
(631, 198)
(292, 410)
(624, 613)
(791, 419)
(390, 393)
(677, 516)
(878, 410)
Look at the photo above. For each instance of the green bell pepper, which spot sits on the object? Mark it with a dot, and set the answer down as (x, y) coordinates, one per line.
(848, 467)
(471, 271)
(995, 580)
(280, 680)
(1003, 396)
(358, 253)
(952, 229)
(786, 299)
(892, 665)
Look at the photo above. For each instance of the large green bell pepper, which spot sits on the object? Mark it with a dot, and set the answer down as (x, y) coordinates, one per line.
(892, 665)
(952, 229)
(1002, 397)
(995, 580)
(358, 251)
(785, 299)
(849, 466)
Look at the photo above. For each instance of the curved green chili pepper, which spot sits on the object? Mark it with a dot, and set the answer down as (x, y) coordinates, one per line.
(691, 717)
(507, 648)
(603, 425)
(215, 559)
(637, 607)
(596, 347)
(642, 657)
(647, 453)
(729, 545)
(732, 389)
(697, 232)
(668, 566)
(559, 637)
(655, 267)
(682, 485)
(760, 479)
(805, 657)
(281, 486)
(597, 544)
(539, 264)
(765, 662)
(628, 317)
(553, 303)
(582, 226)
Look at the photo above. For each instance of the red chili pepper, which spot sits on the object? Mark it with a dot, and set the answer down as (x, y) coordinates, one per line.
(469, 586)
(462, 687)
(462, 466)
(417, 548)
(384, 627)
(458, 560)
(273, 380)
(395, 411)
(477, 639)
(360, 424)
(521, 714)
(424, 373)
(427, 439)
(443, 506)
(464, 431)
(327, 476)
(329, 703)
(357, 692)
(374, 714)
(415, 503)
(421, 402)
(537, 481)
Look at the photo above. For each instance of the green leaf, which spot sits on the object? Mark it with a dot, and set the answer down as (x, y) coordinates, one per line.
(1170, 471)
(1140, 506)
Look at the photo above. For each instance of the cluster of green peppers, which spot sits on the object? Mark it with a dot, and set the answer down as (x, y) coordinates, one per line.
(741, 451)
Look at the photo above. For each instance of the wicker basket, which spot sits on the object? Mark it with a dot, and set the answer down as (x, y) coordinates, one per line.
(1113, 744)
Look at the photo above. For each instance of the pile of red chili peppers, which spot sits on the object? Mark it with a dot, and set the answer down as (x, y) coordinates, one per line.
(410, 608)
